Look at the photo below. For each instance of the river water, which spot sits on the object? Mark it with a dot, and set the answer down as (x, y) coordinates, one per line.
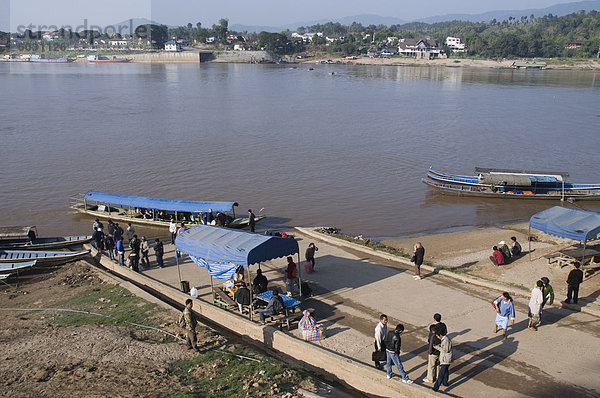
(340, 145)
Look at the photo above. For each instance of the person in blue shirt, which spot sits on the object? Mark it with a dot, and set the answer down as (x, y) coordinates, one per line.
(120, 251)
(505, 309)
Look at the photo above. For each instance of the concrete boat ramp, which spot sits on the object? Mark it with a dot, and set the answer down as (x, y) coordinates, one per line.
(351, 288)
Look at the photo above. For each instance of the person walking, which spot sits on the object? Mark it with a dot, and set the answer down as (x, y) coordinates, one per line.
(173, 230)
(98, 237)
(109, 244)
(445, 349)
(159, 251)
(505, 309)
(417, 258)
(535, 305)
(118, 234)
(380, 333)
(573, 281)
(145, 248)
(188, 321)
(547, 293)
(310, 254)
(251, 220)
(120, 251)
(130, 232)
(393, 343)
(291, 277)
(433, 357)
(134, 256)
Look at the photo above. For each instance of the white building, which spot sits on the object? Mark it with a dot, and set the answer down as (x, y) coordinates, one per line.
(172, 45)
(455, 45)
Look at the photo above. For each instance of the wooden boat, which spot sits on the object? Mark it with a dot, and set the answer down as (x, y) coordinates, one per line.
(154, 211)
(13, 267)
(512, 184)
(42, 257)
(48, 243)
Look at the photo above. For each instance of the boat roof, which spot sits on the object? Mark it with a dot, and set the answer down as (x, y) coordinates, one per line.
(483, 170)
(148, 202)
(15, 232)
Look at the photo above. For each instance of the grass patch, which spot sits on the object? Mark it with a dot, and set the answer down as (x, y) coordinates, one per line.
(111, 300)
(219, 373)
(372, 245)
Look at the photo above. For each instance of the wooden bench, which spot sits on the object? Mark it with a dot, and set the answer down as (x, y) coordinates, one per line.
(221, 298)
(553, 257)
(282, 319)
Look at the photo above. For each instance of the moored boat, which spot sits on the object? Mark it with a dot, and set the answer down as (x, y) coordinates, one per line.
(42, 257)
(513, 184)
(155, 211)
(26, 238)
(11, 268)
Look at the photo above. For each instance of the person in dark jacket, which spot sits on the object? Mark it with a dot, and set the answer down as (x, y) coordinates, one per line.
(259, 284)
(159, 251)
(134, 256)
(242, 296)
(573, 281)
(118, 234)
(275, 306)
(516, 247)
(417, 258)
(392, 349)
(109, 244)
(98, 237)
(251, 220)
(207, 218)
(433, 360)
(310, 254)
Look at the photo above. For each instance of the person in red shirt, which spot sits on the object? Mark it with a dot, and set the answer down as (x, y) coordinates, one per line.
(291, 277)
(497, 258)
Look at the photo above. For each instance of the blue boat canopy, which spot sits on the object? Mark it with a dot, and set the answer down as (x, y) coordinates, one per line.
(148, 202)
(568, 223)
(222, 250)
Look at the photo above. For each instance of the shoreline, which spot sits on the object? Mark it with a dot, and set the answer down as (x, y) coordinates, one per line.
(251, 57)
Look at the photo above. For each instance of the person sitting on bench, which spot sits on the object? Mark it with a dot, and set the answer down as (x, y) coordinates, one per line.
(275, 306)
(242, 296)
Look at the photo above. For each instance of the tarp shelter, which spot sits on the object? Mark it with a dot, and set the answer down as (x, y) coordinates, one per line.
(148, 202)
(568, 223)
(573, 224)
(222, 250)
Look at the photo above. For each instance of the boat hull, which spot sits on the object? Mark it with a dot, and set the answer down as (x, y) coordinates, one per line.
(47, 243)
(468, 190)
(11, 268)
(42, 258)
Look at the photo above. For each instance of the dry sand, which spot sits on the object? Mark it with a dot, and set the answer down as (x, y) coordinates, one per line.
(469, 251)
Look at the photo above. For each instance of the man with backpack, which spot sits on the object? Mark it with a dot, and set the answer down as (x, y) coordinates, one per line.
(275, 306)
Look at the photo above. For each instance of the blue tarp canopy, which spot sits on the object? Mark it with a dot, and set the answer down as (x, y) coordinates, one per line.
(148, 202)
(568, 223)
(222, 250)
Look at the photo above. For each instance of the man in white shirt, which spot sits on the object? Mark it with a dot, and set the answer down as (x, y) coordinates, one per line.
(380, 333)
(535, 305)
(173, 230)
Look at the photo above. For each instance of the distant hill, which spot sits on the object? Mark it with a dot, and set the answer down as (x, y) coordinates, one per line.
(501, 15)
(370, 19)
(364, 19)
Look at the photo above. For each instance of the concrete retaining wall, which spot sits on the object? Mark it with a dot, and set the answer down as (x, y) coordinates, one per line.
(163, 56)
(315, 358)
(244, 56)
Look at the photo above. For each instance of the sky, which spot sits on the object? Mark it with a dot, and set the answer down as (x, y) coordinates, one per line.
(246, 12)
